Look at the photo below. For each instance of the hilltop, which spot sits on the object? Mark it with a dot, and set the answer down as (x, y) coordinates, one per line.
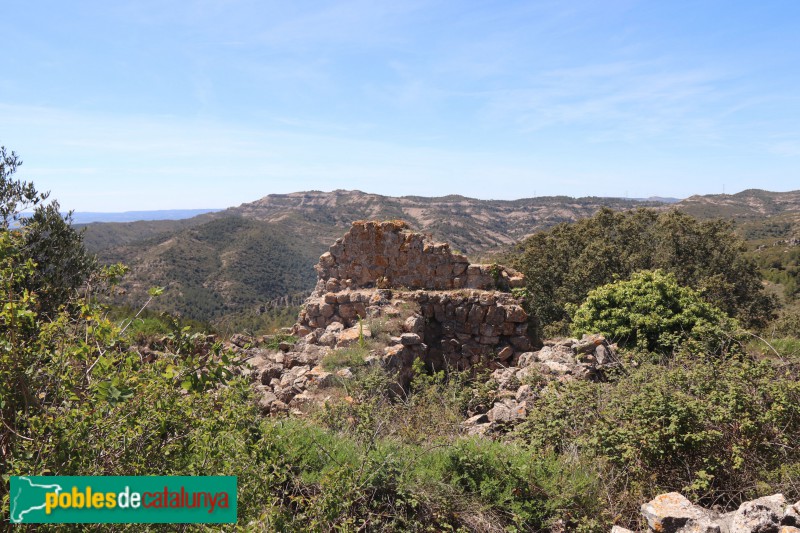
(469, 224)
(749, 204)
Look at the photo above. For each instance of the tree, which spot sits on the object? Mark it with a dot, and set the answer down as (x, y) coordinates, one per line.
(563, 264)
(61, 263)
(15, 196)
(75, 398)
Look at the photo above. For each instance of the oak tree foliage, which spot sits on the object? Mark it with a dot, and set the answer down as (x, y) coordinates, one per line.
(62, 264)
(563, 264)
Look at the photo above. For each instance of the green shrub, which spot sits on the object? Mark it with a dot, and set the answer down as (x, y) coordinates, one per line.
(367, 470)
(784, 349)
(76, 401)
(788, 347)
(147, 330)
(719, 431)
(61, 265)
(786, 325)
(652, 312)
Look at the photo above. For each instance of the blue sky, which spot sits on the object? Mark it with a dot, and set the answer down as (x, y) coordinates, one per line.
(163, 104)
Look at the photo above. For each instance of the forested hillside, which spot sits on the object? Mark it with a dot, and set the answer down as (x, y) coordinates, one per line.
(216, 268)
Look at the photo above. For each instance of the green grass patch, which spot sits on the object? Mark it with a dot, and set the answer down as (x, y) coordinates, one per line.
(276, 340)
(350, 357)
(787, 346)
(782, 348)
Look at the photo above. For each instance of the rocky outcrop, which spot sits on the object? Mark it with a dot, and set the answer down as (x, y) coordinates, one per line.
(673, 513)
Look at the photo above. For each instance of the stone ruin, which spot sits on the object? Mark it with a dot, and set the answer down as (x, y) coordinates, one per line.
(459, 314)
(387, 255)
(410, 298)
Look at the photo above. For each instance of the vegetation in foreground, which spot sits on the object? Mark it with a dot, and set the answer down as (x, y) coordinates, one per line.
(719, 422)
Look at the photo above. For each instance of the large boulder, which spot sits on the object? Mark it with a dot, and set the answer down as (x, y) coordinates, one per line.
(672, 513)
(763, 515)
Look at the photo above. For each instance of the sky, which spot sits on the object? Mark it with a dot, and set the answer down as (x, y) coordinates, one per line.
(144, 105)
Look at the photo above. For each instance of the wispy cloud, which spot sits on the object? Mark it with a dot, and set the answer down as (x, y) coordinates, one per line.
(617, 101)
(362, 22)
(168, 162)
(233, 99)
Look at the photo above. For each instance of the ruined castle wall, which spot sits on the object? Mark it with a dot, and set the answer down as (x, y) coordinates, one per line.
(459, 318)
(455, 328)
(406, 299)
(388, 255)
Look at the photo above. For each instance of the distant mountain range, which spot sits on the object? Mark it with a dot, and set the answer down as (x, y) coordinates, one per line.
(662, 199)
(80, 217)
(235, 260)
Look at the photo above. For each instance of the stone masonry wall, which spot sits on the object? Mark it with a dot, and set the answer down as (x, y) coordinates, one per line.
(460, 318)
(457, 328)
(388, 255)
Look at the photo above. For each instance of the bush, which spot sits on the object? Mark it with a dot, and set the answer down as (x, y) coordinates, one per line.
(62, 264)
(652, 312)
(786, 325)
(719, 431)
(75, 400)
(436, 477)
